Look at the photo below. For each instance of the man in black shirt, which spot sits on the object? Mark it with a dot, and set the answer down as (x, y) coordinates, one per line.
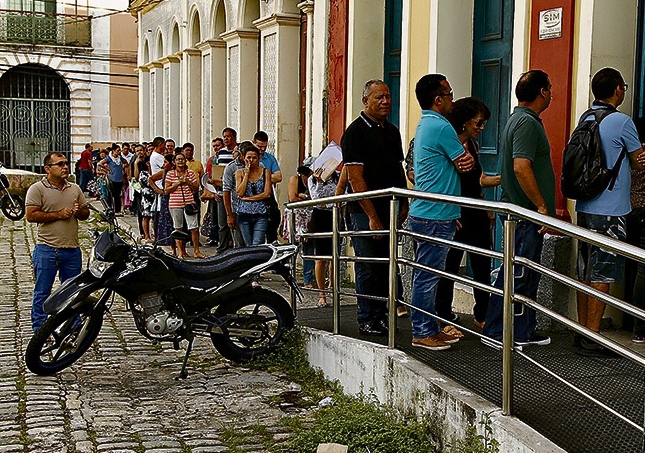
(372, 154)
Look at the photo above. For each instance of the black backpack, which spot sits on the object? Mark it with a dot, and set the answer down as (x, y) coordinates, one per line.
(584, 170)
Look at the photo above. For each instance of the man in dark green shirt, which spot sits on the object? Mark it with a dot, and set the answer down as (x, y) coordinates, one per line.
(527, 180)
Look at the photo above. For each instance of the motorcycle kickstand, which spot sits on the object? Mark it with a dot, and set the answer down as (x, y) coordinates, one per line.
(183, 374)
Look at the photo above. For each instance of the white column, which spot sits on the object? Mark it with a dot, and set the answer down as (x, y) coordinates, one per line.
(172, 96)
(144, 104)
(307, 7)
(214, 93)
(279, 89)
(242, 81)
(320, 75)
(193, 107)
(156, 98)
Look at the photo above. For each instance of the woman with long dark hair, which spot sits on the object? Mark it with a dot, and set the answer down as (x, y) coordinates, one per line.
(468, 117)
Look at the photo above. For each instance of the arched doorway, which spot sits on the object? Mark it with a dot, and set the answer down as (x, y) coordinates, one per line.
(34, 116)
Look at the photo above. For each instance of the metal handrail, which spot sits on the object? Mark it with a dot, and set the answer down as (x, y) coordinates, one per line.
(513, 213)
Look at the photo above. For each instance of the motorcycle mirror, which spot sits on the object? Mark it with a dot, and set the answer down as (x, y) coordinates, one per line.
(179, 235)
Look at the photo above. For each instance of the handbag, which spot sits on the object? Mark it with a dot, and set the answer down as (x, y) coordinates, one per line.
(207, 195)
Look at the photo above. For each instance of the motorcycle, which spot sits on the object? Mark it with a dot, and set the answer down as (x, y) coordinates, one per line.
(12, 206)
(171, 300)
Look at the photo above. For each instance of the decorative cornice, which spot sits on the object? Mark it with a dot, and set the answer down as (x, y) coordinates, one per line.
(191, 51)
(142, 69)
(240, 33)
(211, 44)
(153, 65)
(278, 19)
(170, 59)
(307, 6)
(141, 6)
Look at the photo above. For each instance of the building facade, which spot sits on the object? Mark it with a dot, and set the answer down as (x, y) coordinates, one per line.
(205, 65)
(66, 78)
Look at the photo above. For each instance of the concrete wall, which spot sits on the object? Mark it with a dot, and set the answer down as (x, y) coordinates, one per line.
(415, 390)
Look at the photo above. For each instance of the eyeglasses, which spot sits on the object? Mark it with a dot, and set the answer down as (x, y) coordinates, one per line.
(450, 94)
(61, 164)
(479, 123)
(625, 86)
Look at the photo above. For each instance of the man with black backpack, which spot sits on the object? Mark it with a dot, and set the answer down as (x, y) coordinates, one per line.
(605, 213)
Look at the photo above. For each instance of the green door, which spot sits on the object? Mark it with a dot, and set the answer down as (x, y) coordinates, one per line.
(492, 43)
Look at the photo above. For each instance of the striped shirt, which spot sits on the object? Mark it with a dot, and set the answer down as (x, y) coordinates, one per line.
(177, 200)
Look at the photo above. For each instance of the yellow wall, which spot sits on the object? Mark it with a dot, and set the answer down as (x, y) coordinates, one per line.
(365, 50)
(124, 101)
(419, 38)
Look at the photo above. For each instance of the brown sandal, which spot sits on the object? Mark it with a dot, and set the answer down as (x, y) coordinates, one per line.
(453, 332)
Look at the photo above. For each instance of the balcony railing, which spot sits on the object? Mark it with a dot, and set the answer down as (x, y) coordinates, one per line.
(25, 27)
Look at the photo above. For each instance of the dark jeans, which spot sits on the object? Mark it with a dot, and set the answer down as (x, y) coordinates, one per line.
(372, 279)
(218, 214)
(115, 194)
(85, 177)
(47, 262)
(528, 243)
(475, 231)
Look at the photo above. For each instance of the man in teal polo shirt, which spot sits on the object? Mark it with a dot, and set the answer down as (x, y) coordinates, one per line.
(438, 157)
(528, 181)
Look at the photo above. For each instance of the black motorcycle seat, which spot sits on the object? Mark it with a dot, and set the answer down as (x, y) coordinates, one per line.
(213, 271)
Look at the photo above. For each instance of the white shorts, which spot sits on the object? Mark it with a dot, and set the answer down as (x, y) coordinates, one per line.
(178, 215)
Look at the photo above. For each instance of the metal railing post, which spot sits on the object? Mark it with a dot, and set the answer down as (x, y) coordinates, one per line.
(391, 338)
(507, 334)
(335, 261)
(292, 240)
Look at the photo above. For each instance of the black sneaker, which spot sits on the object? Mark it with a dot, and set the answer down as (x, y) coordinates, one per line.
(590, 348)
(539, 340)
(376, 328)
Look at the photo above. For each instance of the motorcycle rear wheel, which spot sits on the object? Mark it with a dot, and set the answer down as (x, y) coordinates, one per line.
(262, 311)
(13, 210)
(63, 339)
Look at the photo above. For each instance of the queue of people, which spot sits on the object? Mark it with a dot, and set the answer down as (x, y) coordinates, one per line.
(443, 158)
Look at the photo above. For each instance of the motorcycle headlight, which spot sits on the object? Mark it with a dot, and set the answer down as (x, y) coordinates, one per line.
(97, 268)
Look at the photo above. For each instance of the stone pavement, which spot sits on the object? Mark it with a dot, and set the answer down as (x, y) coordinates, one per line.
(122, 395)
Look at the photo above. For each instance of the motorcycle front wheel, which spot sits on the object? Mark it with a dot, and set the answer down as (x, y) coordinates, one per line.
(253, 325)
(12, 207)
(63, 339)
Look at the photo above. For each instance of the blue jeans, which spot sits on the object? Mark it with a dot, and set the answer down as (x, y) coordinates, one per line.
(85, 177)
(253, 227)
(528, 244)
(372, 279)
(308, 265)
(424, 284)
(47, 261)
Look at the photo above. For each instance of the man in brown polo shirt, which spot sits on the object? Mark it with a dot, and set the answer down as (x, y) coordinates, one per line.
(56, 205)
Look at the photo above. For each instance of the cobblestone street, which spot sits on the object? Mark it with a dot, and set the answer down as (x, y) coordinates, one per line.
(122, 395)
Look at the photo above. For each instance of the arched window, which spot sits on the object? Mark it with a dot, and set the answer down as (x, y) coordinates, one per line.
(34, 116)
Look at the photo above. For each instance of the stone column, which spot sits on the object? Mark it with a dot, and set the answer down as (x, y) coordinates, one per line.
(307, 7)
(145, 132)
(192, 96)
(156, 98)
(242, 81)
(279, 90)
(172, 96)
(214, 94)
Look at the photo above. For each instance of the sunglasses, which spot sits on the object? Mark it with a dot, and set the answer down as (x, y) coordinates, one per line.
(61, 164)
(479, 123)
